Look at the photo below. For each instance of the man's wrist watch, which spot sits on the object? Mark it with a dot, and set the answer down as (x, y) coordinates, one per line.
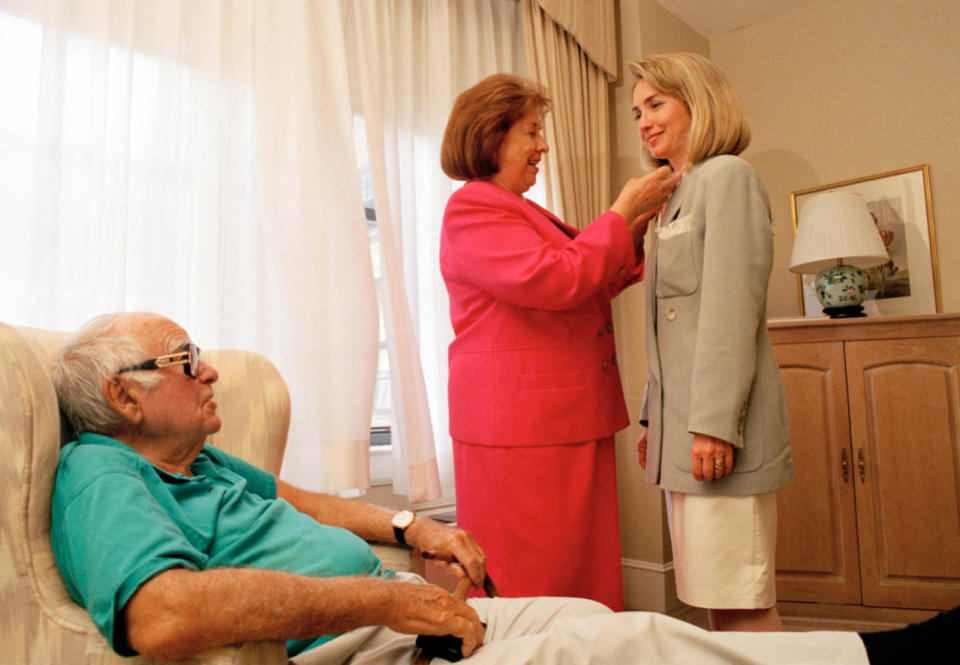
(401, 522)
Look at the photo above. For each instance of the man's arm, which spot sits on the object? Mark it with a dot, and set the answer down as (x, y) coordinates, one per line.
(374, 523)
(179, 612)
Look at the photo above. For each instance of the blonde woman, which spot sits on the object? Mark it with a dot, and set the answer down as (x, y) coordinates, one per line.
(717, 431)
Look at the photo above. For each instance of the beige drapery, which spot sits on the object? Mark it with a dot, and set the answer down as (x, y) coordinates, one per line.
(577, 176)
(592, 24)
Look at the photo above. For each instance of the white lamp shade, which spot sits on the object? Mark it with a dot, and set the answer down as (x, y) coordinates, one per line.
(832, 227)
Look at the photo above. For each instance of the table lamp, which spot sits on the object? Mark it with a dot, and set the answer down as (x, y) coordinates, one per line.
(836, 236)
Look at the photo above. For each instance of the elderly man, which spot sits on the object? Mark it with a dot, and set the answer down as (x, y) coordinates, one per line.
(174, 546)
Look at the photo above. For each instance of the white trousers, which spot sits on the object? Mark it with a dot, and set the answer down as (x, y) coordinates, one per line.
(573, 631)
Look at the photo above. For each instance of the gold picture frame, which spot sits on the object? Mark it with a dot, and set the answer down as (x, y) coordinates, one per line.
(901, 205)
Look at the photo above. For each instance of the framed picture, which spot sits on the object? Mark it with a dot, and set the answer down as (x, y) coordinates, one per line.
(900, 204)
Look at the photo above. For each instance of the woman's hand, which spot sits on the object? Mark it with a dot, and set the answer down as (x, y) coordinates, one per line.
(642, 450)
(711, 458)
(646, 194)
(638, 227)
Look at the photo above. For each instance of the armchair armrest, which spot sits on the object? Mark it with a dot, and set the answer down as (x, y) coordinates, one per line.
(395, 557)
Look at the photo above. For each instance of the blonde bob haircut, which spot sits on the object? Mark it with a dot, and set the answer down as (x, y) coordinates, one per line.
(718, 125)
(479, 121)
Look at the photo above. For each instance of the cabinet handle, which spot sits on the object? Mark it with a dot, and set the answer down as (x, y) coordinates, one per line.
(861, 465)
(844, 466)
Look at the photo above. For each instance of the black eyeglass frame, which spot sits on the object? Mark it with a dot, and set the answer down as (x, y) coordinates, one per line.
(188, 356)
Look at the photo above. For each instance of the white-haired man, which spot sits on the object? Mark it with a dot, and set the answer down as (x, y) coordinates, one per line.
(174, 546)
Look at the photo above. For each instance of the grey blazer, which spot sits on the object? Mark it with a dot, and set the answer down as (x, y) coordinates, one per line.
(711, 368)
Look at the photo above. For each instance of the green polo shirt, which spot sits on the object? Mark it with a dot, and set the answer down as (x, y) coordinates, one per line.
(118, 521)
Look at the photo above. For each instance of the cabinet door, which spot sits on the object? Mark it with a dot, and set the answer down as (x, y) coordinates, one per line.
(905, 422)
(817, 531)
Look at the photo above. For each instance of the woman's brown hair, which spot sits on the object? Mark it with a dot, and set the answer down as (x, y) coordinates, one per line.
(480, 119)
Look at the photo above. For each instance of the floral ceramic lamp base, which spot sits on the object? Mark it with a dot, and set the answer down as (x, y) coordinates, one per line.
(840, 290)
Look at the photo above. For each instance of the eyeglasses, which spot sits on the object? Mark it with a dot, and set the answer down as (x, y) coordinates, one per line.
(188, 356)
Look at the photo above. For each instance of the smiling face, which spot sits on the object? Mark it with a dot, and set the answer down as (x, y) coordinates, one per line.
(663, 122)
(520, 153)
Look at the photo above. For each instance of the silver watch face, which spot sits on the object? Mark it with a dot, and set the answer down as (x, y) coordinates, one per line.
(403, 519)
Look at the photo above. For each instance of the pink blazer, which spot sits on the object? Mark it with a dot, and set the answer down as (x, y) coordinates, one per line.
(534, 360)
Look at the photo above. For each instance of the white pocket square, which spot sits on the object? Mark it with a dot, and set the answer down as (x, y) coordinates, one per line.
(676, 227)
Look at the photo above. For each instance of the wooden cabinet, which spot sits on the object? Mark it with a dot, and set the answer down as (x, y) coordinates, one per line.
(873, 517)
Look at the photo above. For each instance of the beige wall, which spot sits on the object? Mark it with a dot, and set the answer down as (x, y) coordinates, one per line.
(833, 90)
(839, 90)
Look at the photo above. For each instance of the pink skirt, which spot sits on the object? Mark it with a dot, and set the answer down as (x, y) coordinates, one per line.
(546, 516)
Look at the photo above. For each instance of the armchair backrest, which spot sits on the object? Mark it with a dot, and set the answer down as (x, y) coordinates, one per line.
(40, 624)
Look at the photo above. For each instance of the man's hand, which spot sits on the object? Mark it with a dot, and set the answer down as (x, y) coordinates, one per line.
(437, 540)
(425, 609)
(447, 543)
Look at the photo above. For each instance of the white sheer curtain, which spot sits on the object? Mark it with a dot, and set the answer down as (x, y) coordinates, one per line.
(194, 158)
(323, 310)
(413, 57)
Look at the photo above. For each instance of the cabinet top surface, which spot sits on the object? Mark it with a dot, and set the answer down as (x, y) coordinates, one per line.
(785, 331)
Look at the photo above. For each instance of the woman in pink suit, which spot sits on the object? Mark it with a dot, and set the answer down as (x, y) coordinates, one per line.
(534, 393)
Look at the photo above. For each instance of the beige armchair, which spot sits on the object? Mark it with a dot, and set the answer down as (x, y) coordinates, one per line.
(39, 623)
